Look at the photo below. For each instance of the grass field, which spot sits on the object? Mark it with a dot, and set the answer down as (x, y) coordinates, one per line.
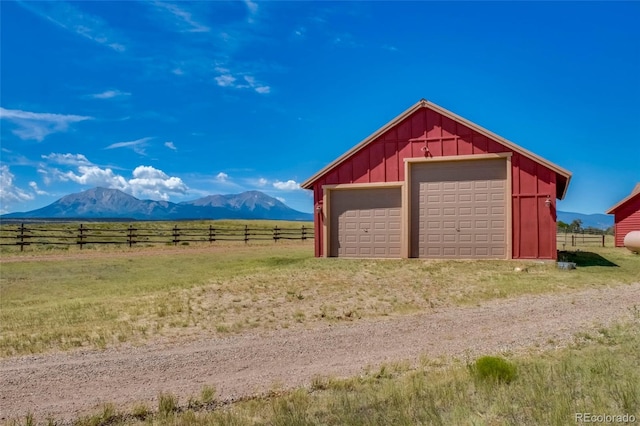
(109, 296)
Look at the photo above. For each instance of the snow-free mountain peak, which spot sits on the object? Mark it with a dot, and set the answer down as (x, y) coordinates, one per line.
(97, 203)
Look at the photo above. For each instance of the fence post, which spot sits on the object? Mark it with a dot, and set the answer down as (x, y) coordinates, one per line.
(21, 237)
(212, 234)
(246, 234)
(602, 240)
(304, 233)
(175, 235)
(130, 235)
(275, 234)
(81, 236)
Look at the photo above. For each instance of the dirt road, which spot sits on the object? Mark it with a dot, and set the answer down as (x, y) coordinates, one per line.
(67, 385)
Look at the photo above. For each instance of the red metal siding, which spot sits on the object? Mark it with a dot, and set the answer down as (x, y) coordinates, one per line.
(534, 223)
(376, 159)
(382, 160)
(627, 219)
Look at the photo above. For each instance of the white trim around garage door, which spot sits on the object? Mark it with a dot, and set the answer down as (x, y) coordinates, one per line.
(326, 202)
(407, 201)
(406, 207)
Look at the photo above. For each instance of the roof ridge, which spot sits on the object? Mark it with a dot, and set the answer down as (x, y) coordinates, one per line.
(423, 103)
(633, 194)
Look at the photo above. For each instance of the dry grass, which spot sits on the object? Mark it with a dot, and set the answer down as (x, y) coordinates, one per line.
(109, 297)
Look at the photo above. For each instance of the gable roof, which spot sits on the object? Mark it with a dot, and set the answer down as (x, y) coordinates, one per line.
(423, 103)
(636, 191)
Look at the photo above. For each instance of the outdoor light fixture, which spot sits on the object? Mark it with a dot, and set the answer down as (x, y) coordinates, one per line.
(547, 202)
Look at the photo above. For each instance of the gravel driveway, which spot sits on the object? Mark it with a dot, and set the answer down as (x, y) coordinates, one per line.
(67, 385)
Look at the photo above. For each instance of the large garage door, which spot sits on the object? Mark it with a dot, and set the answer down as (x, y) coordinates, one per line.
(365, 222)
(459, 209)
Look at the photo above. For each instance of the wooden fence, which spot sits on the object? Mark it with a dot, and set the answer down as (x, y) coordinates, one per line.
(565, 240)
(80, 235)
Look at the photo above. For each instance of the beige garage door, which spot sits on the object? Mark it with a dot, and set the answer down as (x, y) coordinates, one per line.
(459, 209)
(365, 222)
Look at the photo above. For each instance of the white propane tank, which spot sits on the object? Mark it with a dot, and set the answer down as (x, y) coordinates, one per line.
(632, 241)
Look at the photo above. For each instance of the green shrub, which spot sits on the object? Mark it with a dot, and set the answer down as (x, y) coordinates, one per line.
(492, 368)
(141, 411)
(208, 394)
(167, 404)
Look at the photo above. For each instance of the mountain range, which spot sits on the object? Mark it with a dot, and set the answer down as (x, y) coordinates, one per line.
(597, 220)
(103, 203)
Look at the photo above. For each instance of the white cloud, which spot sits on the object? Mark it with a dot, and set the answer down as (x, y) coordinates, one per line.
(252, 7)
(247, 81)
(37, 190)
(69, 17)
(95, 176)
(109, 94)
(137, 146)
(39, 125)
(9, 193)
(222, 177)
(225, 80)
(289, 185)
(67, 159)
(170, 145)
(300, 32)
(263, 90)
(184, 19)
(262, 182)
(46, 175)
(72, 160)
(150, 182)
(257, 86)
(148, 172)
(147, 181)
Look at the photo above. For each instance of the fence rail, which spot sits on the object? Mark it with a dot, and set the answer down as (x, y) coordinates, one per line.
(571, 239)
(81, 235)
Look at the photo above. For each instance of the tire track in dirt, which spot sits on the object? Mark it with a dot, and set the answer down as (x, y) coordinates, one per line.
(68, 385)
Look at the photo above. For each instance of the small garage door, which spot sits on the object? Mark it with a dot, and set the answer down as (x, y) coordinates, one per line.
(365, 222)
(459, 209)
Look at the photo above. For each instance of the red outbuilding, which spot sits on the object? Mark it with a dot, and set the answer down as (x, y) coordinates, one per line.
(626, 215)
(431, 184)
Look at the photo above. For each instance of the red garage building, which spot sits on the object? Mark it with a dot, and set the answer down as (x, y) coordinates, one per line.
(431, 184)
(626, 215)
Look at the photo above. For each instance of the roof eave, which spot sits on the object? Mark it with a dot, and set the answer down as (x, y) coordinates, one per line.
(566, 187)
(517, 148)
(308, 184)
(622, 202)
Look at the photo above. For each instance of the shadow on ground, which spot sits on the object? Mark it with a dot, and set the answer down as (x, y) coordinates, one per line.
(584, 258)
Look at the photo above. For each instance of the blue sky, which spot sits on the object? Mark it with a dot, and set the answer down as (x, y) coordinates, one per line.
(178, 100)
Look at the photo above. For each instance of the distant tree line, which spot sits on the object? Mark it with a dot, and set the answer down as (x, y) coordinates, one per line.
(575, 227)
